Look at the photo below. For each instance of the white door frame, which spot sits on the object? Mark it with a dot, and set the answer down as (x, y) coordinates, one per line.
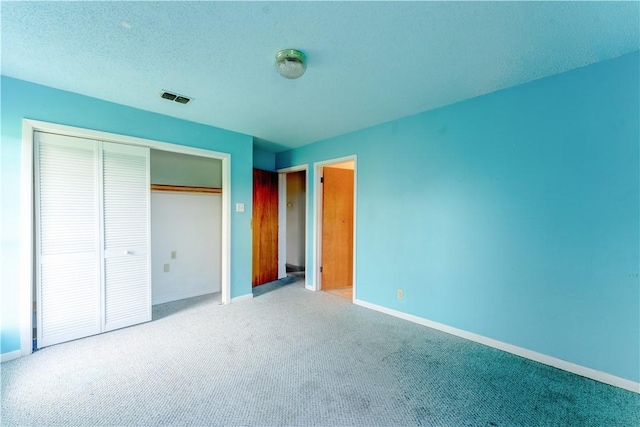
(26, 279)
(282, 219)
(317, 218)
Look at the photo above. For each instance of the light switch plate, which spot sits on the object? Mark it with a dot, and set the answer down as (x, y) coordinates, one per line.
(239, 207)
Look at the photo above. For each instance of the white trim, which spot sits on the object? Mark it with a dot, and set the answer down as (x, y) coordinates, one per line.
(25, 309)
(225, 262)
(509, 348)
(245, 297)
(307, 283)
(10, 356)
(355, 228)
(317, 218)
(37, 125)
(316, 248)
(282, 225)
(26, 226)
(300, 168)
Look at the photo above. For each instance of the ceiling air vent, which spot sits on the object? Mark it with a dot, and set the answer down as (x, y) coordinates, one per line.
(173, 97)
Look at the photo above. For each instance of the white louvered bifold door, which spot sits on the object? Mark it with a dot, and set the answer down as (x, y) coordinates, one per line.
(68, 257)
(127, 284)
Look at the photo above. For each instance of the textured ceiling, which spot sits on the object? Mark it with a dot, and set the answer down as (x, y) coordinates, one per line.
(368, 62)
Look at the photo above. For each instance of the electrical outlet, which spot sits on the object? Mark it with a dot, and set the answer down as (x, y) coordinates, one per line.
(400, 293)
(167, 268)
(174, 254)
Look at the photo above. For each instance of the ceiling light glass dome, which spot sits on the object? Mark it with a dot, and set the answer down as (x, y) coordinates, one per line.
(291, 63)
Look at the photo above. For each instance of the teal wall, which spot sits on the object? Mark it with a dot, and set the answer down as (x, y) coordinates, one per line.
(264, 160)
(514, 215)
(21, 99)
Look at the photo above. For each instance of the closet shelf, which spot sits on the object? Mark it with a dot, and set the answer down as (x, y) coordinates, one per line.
(185, 189)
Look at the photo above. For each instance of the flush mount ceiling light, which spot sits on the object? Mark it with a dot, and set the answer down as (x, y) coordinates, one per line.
(291, 63)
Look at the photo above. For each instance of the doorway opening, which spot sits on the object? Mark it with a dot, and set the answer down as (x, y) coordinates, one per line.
(292, 223)
(335, 229)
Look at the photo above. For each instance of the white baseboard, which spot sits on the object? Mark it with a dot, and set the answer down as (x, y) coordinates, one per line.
(177, 297)
(10, 355)
(241, 298)
(509, 348)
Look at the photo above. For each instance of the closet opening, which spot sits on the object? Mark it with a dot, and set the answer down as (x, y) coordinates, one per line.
(186, 226)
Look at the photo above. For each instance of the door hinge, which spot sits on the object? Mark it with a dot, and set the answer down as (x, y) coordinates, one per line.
(322, 180)
(321, 268)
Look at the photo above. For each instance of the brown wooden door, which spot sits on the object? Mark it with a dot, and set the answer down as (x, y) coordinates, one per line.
(337, 228)
(265, 227)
